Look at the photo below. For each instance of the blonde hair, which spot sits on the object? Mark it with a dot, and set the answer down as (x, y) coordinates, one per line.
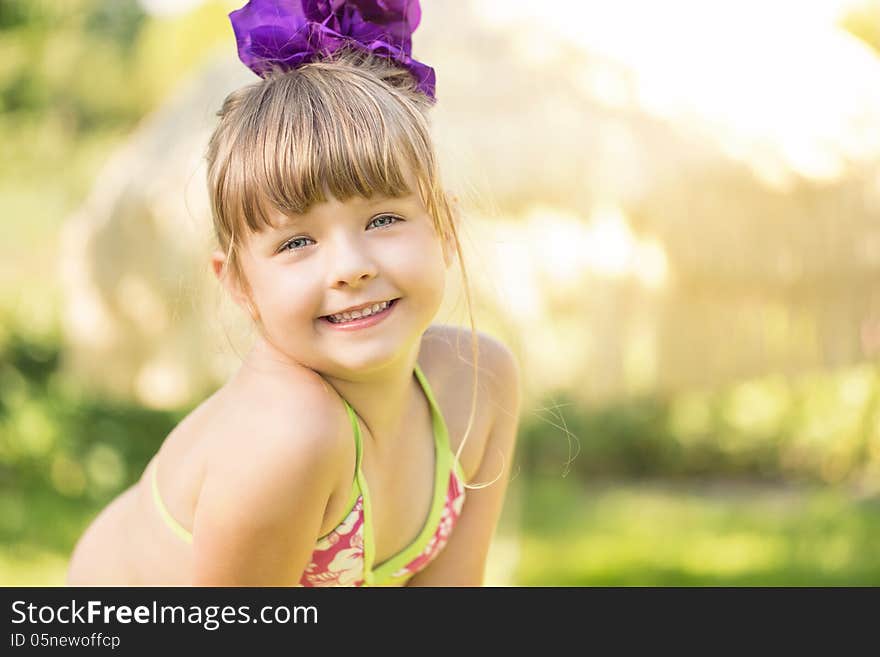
(351, 124)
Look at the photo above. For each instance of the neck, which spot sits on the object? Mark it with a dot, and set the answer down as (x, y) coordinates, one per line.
(382, 398)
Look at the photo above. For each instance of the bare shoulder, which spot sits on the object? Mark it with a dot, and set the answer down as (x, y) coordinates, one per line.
(453, 347)
(296, 417)
(448, 351)
(267, 485)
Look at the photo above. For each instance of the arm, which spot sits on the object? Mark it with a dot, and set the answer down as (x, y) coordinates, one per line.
(462, 561)
(261, 504)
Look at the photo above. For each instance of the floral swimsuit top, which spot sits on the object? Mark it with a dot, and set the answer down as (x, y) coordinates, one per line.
(345, 556)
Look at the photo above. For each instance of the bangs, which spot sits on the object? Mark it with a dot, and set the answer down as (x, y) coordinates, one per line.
(310, 134)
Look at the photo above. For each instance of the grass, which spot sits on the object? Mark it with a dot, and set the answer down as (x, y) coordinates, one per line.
(710, 535)
(38, 530)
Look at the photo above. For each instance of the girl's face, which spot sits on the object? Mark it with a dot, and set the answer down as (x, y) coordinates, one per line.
(339, 256)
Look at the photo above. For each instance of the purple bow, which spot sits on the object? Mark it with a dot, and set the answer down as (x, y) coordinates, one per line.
(290, 33)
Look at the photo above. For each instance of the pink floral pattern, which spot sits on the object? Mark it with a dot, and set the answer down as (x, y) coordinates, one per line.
(338, 559)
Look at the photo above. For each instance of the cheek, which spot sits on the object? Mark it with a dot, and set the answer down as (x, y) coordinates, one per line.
(425, 268)
(286, 296)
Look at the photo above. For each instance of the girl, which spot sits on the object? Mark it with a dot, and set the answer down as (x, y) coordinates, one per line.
(340, 451)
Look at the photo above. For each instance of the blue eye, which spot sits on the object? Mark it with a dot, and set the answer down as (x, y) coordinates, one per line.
(291, 245)
(294, 241)
(383, 216)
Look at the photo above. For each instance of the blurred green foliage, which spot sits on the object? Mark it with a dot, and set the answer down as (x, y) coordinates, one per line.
(821, 428)
(63, 454)
(75, 78)
(52, 43)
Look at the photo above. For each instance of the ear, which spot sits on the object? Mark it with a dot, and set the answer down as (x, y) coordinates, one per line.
(228, 281)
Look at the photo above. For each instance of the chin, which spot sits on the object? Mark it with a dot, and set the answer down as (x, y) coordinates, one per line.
(370, 360)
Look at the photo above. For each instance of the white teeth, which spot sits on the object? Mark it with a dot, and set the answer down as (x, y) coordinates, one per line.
(357, 314)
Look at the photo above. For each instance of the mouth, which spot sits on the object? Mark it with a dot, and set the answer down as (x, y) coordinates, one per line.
(360, 322)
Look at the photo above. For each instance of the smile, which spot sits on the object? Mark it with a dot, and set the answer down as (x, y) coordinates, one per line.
(351, 322)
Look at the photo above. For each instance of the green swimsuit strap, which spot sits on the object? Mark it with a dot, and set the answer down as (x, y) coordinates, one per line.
(175, 526)
(358, 451)
(441, 431)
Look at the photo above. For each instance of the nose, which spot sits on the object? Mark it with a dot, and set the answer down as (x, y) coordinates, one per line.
(350, 263)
